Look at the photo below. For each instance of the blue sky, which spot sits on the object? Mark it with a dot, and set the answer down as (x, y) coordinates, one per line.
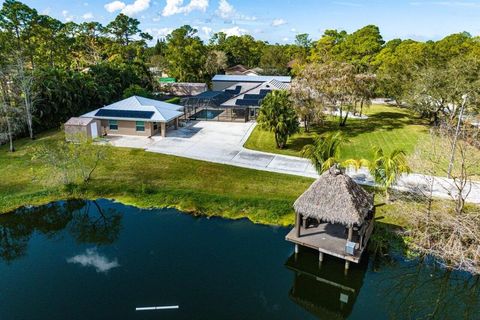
(278, 20)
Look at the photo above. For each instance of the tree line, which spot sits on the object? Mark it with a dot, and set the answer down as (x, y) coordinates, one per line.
(50, 70)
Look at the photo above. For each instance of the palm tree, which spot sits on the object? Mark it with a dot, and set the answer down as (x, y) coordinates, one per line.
(387, 168)
(277, 114)
(325, 150)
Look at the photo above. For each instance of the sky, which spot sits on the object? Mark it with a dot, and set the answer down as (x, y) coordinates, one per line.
(278, 21)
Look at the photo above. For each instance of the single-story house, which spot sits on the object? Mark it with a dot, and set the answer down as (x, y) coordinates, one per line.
(238, 102)
(135, 116)
(222, 81)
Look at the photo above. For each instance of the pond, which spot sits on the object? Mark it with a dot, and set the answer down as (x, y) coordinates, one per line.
(102, 260)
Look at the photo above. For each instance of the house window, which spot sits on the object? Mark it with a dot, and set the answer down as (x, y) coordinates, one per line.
(113, 124)
(140, 126)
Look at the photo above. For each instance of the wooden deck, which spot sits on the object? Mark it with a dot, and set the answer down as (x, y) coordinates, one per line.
(327, 238)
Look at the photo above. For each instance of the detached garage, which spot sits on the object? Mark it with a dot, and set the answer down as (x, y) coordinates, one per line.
(86, 127)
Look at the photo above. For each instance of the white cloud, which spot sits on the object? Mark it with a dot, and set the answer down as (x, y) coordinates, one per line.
(207, 31)
(278, 22)
(91, 258)
(114, 6)
(159, 32)
(88, 16)
(136, 7)
(176, 6)
(234, 31)
(225, 10)
(67, 16)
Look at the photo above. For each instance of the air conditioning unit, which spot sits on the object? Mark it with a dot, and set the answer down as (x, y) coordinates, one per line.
(350, 248)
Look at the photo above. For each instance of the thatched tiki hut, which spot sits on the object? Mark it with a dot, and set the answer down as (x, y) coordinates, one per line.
(334, 216)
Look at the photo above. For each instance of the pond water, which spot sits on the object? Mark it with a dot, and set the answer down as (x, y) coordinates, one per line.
(102, 260)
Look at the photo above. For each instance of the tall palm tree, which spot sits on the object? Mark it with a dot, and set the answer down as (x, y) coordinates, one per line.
(277, 114)
(387, 168)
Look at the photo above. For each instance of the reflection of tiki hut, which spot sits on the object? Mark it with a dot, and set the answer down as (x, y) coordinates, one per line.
(334, 216)
(325, 292)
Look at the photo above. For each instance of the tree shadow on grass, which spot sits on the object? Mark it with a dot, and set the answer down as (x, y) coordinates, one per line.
(377, 122)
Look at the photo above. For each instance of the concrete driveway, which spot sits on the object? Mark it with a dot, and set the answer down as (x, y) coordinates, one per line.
(220, 142)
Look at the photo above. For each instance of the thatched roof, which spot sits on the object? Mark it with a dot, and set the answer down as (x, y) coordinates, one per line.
(335, 198)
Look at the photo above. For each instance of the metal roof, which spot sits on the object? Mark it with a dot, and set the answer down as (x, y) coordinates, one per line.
(243, 78)
(136, 108)
(254, 96)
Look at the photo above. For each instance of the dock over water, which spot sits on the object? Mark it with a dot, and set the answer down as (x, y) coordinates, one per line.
(335, 216)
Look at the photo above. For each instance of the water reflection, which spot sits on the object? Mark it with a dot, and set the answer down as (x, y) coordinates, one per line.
(324, 290)
(86, 221)
(91, 258)
(423, 290)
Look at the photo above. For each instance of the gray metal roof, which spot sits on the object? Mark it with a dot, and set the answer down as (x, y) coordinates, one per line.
(162, 111)
(257, 89)
(242, 78)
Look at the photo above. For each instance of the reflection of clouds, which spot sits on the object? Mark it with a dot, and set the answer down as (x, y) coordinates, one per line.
(91, 258)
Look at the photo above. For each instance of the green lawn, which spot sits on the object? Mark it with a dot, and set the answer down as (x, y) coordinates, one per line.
(387, 127)
(151, 180)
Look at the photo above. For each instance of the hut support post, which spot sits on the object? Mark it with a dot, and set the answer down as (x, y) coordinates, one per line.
(350, 233)
(298, 224)
(320, 256)
(296, 248)
(347, 265)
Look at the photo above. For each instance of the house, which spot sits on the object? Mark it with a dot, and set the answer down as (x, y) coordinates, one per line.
(135, 116)
(238, 100)
(240, 69)
(222, 81)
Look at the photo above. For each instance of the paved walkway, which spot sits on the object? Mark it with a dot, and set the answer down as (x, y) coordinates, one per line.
(222, 142)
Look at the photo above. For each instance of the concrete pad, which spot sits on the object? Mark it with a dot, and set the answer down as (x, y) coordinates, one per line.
(289, 164)
(254, 159)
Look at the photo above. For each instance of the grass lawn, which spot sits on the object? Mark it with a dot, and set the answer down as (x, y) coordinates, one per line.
(387, 127)
(151, 180)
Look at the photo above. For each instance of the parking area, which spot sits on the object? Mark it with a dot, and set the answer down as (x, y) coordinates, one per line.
(220, 142)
